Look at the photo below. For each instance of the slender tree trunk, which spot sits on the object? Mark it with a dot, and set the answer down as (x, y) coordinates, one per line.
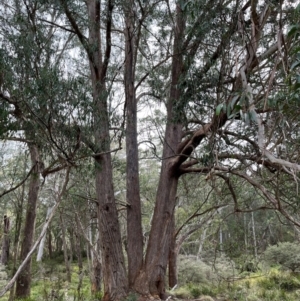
(134, 220)
(18, 224)
(96, 269)
(65, 247)
(79, 258)
(201, 243)
(6, 241)
(245, 233)
(72, 244)
(24, 280)
(50, 242)
(42, 243)
(254, 235)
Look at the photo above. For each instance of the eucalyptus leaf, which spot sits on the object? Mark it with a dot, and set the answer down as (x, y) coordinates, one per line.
(218, 109)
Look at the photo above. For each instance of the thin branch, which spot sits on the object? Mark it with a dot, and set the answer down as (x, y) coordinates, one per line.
(267, 153)
(18, 185)
(57, 25)
(153, 68)
(45, 227)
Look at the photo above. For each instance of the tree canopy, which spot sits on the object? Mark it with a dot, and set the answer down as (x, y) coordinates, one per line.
(202, 95)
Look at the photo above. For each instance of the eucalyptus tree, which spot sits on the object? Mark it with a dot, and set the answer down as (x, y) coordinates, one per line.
(214, 71)
(218, 67)
(220, 84)
(31, 104)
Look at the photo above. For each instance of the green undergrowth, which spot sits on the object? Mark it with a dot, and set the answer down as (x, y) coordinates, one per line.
(272, 285)
(49, 283)
(197, 281)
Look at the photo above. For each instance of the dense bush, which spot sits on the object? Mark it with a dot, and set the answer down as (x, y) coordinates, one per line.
(286, 254)
(192, 270)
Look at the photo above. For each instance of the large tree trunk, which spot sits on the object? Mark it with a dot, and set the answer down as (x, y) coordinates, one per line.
(134, 220)
(114, 273)
(24, 279)
(173, 254)
(152, 278)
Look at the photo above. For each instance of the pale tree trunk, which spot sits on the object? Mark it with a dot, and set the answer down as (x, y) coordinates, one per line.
(24, 280)
(65, 247)
(42, 243)
(6, 241)
(134, 220)
(96, 275)
(201, 243)
(96, 269)
(50, 242)
(254, 235)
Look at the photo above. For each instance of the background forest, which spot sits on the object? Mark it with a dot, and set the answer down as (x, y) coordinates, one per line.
(150, 149)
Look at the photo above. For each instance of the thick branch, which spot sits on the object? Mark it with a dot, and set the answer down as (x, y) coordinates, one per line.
(110, 6)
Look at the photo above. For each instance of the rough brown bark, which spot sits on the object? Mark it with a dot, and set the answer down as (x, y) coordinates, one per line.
(152, 278)
(114, 273)
(173, 278)
(134, 220)
(24, 280)
(96, 276)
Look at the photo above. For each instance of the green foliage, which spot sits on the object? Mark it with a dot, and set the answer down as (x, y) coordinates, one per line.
(286, 254)
(193, 271)
(284, 280)
(132, 297)
(195, 291)
(196, 271)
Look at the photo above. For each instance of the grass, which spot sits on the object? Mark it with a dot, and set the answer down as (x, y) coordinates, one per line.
(49, 283)
(274, 285)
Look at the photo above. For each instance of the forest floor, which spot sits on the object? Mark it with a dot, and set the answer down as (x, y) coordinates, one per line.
(49, 283)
